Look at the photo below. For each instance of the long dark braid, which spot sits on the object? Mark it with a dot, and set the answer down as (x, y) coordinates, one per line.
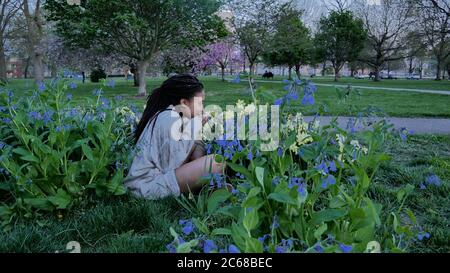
(172, 90)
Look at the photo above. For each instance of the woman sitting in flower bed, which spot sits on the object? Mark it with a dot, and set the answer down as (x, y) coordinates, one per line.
(170, 161)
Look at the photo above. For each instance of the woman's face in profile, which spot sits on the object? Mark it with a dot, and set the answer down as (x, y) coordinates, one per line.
(194, 106)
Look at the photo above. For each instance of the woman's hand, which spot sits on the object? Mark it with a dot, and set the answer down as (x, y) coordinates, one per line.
(205, 119)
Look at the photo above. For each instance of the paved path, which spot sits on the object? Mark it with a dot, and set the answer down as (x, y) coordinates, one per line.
(441, 92)
(417, 125)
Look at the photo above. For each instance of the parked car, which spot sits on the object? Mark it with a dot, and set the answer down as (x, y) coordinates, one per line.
(390, 76)
(361, 76)
(413, 77)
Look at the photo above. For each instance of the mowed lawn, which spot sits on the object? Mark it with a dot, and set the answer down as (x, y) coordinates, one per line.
(125, 224)
(392, 103)
(424, 84)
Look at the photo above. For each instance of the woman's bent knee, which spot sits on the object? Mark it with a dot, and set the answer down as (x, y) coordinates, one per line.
(216, 167)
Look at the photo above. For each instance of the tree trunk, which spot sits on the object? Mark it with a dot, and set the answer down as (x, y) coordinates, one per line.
(336, 73)
(297, 71)
(438, 71)
(421, 69)
(54, 71)
(27, 66)
(222, 71)
(324, 66)
(377, 74)
(38, 67)
(290, 73)
(251, 67)
(135, 72)
(142, 68)
(34, 38)
(411, 69)
(448, 71)
(2, 65)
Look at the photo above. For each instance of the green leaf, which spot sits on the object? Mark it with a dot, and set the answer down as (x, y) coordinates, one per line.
(238, 234)
(61, 200)
(357, 213)
(260, 175)
(201, 226)
(252, 199)
(403, 193)
(30, 158)
(87, 151)
(39, 203)
(365, 180)
(282, 197)
(321, 230)
(251, 220)
(411, 216)
(21, 151)
(216, 198)
(365, 234)
(240, 169)
(395, 222)
(253, 245)
(337, 202)
(4, 186)
(221, 231)
(116, 186)
(252, 202)
(400, 195)
(373, 211)
(187, 246)
(327, 215)
(309, 154)
(173, 233)
(253, 192)
(409, 189)
(5, 212)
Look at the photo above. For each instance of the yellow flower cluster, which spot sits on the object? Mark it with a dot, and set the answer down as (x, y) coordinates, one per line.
(296, 124)
(359, 147)
(126, 112)
(341, 142)
(355, 143)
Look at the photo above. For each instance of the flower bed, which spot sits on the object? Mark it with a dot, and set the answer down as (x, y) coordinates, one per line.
(308, 195)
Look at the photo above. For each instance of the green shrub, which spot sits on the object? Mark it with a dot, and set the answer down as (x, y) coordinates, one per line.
(97, 74)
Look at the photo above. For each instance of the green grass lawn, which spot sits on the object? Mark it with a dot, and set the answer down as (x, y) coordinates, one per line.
(396, 104)
(126, 224)
(425, 84)
(400, 83)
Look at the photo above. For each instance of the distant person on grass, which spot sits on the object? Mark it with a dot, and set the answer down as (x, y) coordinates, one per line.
(164, 165)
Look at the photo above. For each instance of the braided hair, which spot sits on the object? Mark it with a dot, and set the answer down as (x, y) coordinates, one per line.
(172, 90)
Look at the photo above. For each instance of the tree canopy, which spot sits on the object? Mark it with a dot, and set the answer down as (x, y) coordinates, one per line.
(340, 38)
(137, 29)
